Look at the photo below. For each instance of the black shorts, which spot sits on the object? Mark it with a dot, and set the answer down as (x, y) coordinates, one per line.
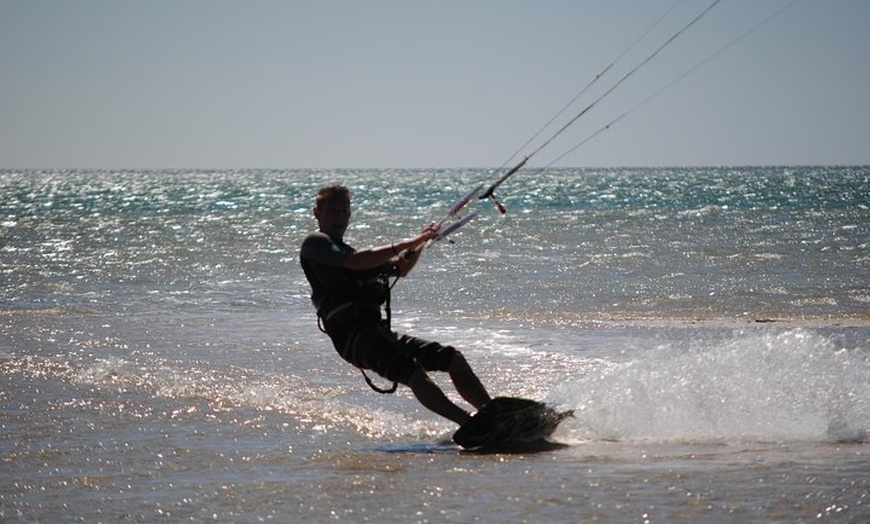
(370, 344)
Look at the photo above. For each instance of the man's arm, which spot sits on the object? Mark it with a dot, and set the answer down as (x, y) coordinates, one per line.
(406, 261)
(403, 254)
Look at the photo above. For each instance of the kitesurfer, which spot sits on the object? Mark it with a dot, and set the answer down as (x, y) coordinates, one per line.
(349, 289)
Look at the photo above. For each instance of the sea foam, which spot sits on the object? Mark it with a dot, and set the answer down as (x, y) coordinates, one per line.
(792, 385)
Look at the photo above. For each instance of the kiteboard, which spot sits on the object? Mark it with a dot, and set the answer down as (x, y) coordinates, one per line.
(511, 424)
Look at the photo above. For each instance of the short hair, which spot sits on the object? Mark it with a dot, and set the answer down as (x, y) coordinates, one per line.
(330, 193)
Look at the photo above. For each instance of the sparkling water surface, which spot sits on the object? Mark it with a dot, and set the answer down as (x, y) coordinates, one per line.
(709, 326)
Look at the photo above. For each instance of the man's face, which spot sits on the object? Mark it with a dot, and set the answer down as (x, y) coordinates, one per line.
(333, 216)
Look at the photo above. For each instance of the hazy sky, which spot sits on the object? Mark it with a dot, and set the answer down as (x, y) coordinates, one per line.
(405, 83)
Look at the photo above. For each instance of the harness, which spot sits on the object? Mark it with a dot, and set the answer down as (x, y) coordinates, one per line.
(388, 315)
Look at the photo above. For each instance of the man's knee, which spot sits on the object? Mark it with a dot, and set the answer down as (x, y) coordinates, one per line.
(458, 359)
(401, 369)
(435, 357)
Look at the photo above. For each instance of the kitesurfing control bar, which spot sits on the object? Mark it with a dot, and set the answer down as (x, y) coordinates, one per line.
(489, 193)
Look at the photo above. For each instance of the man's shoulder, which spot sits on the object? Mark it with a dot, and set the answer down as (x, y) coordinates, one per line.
(315, 241)
(316, 237)
(320, 247)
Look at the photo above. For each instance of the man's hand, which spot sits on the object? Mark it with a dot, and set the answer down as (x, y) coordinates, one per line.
(408, 258)
(431, 231)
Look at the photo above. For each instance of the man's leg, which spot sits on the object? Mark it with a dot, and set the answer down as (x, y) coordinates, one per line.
(433, 399)
(466, 382)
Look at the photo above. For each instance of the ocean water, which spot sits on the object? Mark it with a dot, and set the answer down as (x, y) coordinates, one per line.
(160, 359)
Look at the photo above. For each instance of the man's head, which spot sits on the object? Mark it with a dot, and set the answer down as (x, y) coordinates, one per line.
(332, 210)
